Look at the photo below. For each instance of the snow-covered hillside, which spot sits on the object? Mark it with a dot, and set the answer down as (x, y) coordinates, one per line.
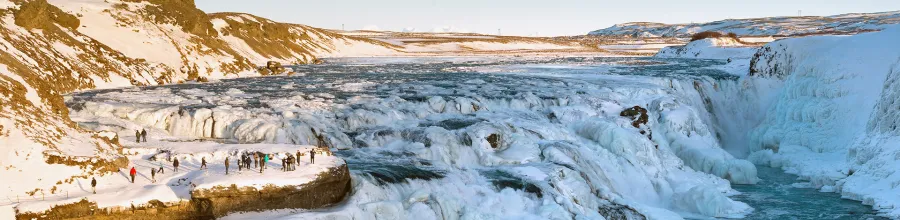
(57, 47)
(770, 26)
(710, 48)
(442, 44)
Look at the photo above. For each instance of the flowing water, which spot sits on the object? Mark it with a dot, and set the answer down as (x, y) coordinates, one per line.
(776, 197)
(485, 138)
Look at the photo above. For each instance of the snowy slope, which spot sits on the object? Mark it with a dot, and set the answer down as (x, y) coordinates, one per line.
(57, 47)
(710, 48)
(770, 26)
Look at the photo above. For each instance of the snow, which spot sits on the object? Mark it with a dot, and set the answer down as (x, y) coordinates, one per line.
(7, 4)
(169, 186)
(710, 48)
(151, 45)
(826, 117)
(31, 93)
(764, 27)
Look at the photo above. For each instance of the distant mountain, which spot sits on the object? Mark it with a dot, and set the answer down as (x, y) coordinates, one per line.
(770, 26)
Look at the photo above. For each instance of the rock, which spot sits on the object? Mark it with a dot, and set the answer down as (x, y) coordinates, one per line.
(639, 116)
(329, 188)
(494, 140)
(40, 14)
(272, 68)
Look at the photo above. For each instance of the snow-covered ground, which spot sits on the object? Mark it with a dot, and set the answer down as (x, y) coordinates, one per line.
(710, 48)
(769, 26)
(116, 190)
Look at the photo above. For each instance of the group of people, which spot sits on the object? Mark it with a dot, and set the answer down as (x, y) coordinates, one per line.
(259, 159)
(140, 135)
(289, 163)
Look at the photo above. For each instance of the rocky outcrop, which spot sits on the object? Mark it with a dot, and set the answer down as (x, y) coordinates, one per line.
(40, 14)
(620, 212)
(772, 60)
(779, 59)
(329, 188)
(639, 119)
(272, 68)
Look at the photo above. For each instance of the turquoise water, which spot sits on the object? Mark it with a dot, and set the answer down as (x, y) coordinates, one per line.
(775, 198)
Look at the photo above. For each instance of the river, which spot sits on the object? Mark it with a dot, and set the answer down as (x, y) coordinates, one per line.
(484, 138)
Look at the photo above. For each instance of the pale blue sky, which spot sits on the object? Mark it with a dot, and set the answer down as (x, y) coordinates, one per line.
(527, 17)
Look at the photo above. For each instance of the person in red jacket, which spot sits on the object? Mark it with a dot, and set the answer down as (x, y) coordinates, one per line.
(133, 172)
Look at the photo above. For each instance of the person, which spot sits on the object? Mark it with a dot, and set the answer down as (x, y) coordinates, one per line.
(175, 165)
(293, 163)
(283, 164)
(203, 163)
(261, 164)
(312, 156)
(132, 173)
(152, 175)
(265, 161)
(239, 161)
(290, 162)
(94, 185)
(137, 136)
(256, 160)
(161, 170)
(144, 135)
(248, 161)
(244, 160)
(227, 163)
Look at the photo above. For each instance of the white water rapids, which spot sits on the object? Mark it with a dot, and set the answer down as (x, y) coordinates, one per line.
(479, 138)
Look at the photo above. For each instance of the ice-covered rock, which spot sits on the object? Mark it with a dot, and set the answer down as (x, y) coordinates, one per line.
(827, 119)
(723, 48)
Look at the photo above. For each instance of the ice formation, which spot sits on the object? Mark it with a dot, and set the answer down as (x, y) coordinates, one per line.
(832, 114)
(457, 140)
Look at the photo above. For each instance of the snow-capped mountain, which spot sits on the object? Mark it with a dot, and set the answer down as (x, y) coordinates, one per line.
(770, 26)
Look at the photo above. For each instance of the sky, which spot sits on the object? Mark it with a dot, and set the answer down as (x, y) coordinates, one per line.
(526, 17)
